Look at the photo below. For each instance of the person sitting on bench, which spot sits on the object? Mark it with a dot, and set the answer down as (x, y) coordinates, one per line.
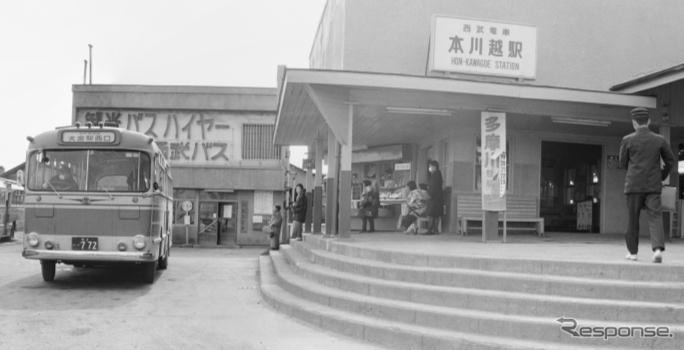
(417, 202)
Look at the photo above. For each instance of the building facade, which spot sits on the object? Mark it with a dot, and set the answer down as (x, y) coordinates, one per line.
(395, 84)
(227, 175)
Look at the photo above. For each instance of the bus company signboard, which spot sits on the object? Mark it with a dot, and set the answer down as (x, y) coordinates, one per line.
(185, 137)
(469, 46)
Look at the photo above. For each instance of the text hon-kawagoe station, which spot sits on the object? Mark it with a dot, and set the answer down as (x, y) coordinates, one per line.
(482, 98)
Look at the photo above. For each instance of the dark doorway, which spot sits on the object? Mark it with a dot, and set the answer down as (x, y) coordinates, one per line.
(227, 224)
(208, 223)
(570, 187)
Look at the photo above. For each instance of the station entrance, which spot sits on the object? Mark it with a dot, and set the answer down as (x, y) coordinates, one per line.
(570, 187)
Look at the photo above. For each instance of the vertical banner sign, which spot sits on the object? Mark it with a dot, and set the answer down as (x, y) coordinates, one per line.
(493, 161)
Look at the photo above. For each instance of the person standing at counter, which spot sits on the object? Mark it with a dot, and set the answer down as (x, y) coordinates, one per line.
(370, 201)
(404, 195)
(299, 209)
(435, 191)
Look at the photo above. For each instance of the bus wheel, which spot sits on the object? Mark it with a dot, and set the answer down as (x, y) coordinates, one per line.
(164, 261)
(149, 269)
(47, 267)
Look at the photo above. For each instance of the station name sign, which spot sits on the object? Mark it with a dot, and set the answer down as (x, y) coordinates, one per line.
(80, 137)
(469, 46)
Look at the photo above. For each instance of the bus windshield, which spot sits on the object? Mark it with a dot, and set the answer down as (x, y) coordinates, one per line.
(89, 171)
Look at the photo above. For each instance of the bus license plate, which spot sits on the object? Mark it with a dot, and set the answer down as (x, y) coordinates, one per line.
(84, 243)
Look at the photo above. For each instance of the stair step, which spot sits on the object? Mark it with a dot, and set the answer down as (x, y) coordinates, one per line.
(670, 292)
(619, 270)
(506, 302)
(393, 335)
(453, 319)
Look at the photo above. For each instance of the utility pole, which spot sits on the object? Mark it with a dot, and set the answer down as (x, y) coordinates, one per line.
(90, 59)
(85, 71)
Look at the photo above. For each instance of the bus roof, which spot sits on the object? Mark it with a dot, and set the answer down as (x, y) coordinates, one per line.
(126, 139)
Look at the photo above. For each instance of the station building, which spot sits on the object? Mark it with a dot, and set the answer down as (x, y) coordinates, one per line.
(394, 84)
(227, 174)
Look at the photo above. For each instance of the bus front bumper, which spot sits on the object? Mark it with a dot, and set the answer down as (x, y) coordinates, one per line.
(65, 255)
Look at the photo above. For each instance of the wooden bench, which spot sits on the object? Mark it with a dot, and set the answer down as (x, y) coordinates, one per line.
(519, 209)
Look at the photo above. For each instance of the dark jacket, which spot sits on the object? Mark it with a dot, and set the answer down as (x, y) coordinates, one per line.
(370, 202)
(299, 208)
(435, 191)
(276, 221)
(640, 153)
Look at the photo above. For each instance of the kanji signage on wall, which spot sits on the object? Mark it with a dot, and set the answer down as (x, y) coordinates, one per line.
(493, 161)
(185, 137)
(461, 45)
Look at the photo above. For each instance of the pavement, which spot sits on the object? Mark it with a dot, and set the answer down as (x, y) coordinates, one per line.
(583, 247)
(240, 319)
(206, 299)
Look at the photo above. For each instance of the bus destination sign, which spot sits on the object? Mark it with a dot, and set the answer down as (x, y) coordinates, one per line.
(88, 137)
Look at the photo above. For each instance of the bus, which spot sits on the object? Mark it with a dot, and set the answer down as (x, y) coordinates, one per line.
(11, 208)
(97, 195)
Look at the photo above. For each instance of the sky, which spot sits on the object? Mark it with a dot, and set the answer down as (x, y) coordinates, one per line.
(158, 42)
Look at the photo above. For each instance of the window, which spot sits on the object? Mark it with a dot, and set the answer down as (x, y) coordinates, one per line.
(257, 142)
(89, 170)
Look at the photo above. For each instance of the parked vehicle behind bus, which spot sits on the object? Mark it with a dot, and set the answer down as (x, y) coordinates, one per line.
(97, 195)
(11, 208)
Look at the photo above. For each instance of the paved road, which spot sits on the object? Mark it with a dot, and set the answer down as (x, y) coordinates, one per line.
(207, 299)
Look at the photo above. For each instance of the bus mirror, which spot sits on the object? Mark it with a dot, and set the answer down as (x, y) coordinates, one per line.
(43, 157)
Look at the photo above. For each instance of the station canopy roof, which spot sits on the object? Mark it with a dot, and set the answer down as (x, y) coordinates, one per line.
(651, 80)
(392, 108)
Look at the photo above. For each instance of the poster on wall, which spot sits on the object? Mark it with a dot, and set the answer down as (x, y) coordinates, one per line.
(584, 216)
(493, 161)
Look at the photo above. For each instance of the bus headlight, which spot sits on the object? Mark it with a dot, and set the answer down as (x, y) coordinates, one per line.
(139, 242)
(49, 245)
(121, 246)
(32, 239)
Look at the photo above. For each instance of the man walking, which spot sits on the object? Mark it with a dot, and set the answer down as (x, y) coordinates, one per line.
(640, 153)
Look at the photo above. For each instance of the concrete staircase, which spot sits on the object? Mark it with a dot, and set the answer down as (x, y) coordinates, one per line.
(405, 300)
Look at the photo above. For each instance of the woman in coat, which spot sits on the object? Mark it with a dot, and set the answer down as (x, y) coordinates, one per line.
(436, 201)
(299, 210)
(370, 201)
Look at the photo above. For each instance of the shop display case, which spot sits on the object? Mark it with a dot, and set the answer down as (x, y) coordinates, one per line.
(389, 169)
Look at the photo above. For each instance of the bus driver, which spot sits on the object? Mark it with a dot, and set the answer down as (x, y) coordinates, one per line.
(64, 180)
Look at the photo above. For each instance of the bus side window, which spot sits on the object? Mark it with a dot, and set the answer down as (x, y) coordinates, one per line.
(166, 181)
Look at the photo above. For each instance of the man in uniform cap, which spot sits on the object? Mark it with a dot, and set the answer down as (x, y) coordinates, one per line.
(640, 153)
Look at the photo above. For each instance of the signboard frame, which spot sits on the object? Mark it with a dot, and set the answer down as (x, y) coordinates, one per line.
(94, 134)
(500, 65)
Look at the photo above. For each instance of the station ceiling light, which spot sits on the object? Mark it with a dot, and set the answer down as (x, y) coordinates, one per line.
(580, 121)
(418, 111)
